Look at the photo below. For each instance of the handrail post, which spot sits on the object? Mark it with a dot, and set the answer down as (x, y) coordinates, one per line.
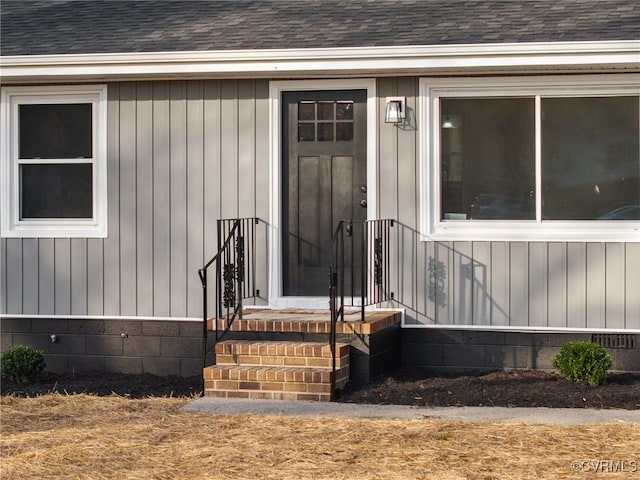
(239, 266)
(202, 273)
(363, 267)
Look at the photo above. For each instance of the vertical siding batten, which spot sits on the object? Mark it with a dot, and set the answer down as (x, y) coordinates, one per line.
(632, 286)
(614, 285)
(212, 167)
(463, 283)
(178, 197)
(78, 276)
(229, 148)
(246, 148)
(95, 276)
(14, 275)
(430, 288)
(144, 199)
(30, 276)
(128, 199)
(262, 183)
(161, 200)
(557, 281)
(518, 283)
(500, 279)
(195, 194)
(596, 286)
(112, 242)
(481, 276)
(538, 284)
(46, 276)
(576, 285)
(3, 275)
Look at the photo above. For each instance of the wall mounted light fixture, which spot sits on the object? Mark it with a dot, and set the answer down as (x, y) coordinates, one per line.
(396, 110)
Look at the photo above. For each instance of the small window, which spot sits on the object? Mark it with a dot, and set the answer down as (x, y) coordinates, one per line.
(531, 159)
(325, 121)
(54, 162)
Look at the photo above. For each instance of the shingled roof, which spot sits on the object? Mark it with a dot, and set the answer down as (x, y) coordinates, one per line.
(54, 27)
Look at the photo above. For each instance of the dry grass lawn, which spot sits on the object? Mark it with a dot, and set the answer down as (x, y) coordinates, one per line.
(87, 437)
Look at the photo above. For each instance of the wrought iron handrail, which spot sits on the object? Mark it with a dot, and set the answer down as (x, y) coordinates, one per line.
(235, 275)
(368, 269)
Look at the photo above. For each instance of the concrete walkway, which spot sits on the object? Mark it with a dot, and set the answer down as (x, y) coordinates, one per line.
(546, 416)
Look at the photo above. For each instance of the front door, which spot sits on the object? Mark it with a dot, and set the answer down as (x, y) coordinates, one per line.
(324, 169)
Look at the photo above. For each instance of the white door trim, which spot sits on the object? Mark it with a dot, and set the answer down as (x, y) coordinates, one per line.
(276, 299)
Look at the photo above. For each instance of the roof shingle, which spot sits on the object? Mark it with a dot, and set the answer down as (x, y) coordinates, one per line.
(97, 26)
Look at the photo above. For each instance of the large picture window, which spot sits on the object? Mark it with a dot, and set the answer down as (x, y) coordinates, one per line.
(54, 162)
(531, 158)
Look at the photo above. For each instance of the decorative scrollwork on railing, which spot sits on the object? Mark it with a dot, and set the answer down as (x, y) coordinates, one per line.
(229, 295)
(377, 261)
(240, 259)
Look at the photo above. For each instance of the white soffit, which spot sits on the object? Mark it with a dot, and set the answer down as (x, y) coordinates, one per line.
(474, 58)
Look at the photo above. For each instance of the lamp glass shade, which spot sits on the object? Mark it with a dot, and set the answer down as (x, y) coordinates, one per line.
(394, 112)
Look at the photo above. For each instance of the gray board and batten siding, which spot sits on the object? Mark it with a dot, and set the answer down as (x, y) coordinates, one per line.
(182, 154)
(174, 168)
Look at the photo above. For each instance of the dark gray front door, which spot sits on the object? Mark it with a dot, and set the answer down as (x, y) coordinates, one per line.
(324, 169)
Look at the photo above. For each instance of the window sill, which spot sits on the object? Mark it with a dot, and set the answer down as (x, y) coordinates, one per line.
(55, 231)
(617, 231)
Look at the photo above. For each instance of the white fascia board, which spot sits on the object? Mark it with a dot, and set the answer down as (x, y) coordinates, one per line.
(330, 61)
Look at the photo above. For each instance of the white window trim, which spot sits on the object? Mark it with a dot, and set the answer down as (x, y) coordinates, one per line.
(432, 89)
(276, 88)
(11, 225)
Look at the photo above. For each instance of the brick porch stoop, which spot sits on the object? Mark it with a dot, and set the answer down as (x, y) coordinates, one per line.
(276, 370)
(285, 355)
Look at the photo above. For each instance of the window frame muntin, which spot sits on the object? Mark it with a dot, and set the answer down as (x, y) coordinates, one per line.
(14, 227)
(434, 228)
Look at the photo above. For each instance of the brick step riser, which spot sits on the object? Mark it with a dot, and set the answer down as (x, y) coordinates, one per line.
(283, 337)
(302, 354)
(280, 361)
(272, 383)
(253, 395)
(233, 385)
(280, 348)
(274, 374)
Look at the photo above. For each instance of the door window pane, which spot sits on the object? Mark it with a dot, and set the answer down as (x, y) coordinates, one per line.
(488, 159)
(590, 167)
(344, 131)
(306, 110)
(56, 191)
(325, 110)
(325, 132)
(306, 132)
(344, 110)
(55, 131)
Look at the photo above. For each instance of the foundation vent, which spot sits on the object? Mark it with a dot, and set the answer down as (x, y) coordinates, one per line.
(614, 341)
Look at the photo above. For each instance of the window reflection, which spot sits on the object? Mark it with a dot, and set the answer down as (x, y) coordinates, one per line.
(590, 158)
(487, 162)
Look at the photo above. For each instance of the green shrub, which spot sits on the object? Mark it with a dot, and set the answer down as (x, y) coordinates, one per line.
(583, 362)
(22, 364)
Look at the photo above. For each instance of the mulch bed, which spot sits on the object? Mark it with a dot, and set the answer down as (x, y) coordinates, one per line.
(521, 388)
(105, 383)
(404, 387)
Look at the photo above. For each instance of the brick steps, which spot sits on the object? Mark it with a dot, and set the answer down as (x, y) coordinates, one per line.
(276, 370)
